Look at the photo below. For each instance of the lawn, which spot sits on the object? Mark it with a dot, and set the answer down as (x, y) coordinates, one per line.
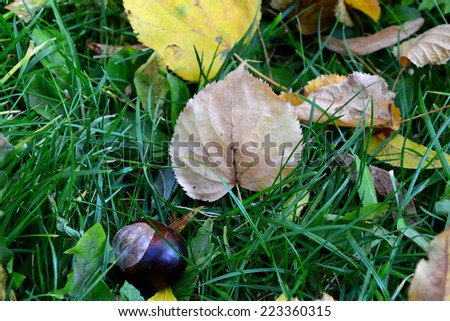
(80, 146)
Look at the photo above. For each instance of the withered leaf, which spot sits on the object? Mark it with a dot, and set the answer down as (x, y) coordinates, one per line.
(234, 132)
(431, 47)
(358, 99)
(398, 151)
(431, 281)
(369, 44)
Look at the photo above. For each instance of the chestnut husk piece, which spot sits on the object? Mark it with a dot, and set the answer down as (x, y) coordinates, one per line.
(150, 255)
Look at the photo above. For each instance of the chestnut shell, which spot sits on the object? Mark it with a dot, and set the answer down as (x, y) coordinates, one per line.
(159, 264)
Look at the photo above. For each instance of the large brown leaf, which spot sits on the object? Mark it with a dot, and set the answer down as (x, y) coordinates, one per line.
(234, 132)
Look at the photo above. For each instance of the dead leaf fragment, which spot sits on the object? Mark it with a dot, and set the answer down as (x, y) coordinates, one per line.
(370, 44)
(326, 297)
(359, 99)
(431, 281)
(234, 132)
(4, 286)
(399, 151)
(185, 31)
(280, 4)
(342, 14)
(431, 47)
(25, 9)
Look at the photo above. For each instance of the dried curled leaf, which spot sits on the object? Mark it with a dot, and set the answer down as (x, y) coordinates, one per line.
(234, 132)
(431, 281)
(431, 47)
(185, 31)
(358, 99)
(369, 44)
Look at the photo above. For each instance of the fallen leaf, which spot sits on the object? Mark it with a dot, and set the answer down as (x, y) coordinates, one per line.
(342, 14)
(297, 207)
(88, 258)
(399, 151)
(149, 83)
(180, 30)
(281, 4)
(370, 44)
(430, 4)
(25, 9)
(369, 7)
(326, 297)
(283, 298)
(315, 14)
(129, 293)
(181, 223)
(431, 281)
(201, 252)
(4, 286)
(234, 132)
(163, 295)
(431, 47)
(315, 84)
(359, 99)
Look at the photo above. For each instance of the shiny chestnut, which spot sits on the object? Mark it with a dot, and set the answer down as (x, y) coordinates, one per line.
(151, 254)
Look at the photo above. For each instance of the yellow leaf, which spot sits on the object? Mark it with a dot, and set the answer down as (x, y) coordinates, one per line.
(163, 295)
(431, 47)
(282, 298)
(4, 285)
(234, 132)
(431, 281)
(402, 152)
(369, 7)
(315, 84)
(360, 98)
(177, 29)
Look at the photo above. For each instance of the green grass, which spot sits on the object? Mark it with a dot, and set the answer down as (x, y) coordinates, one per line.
(86, 159)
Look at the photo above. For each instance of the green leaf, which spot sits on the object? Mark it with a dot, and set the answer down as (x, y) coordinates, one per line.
(85, 282)
(179, 95)
(47, 85)
(201, 252)
(412, 234)
(129, 293)
(149, 83)
(366, 189)
(430, 4)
